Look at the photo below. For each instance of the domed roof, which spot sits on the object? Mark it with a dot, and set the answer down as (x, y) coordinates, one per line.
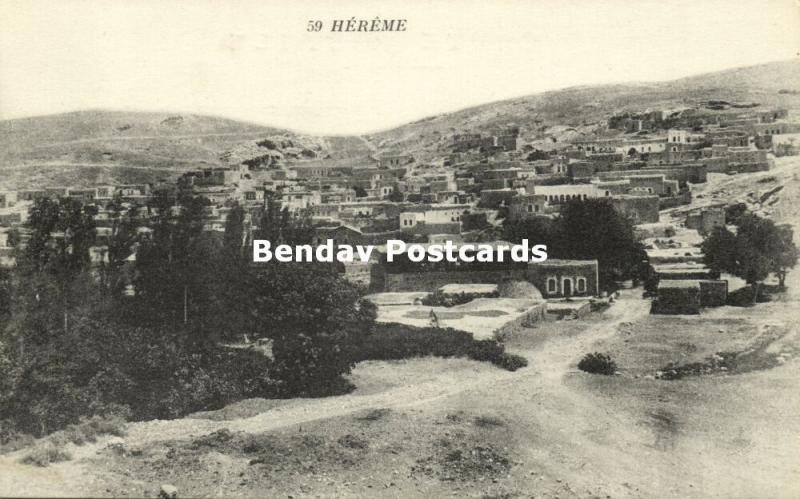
(519, 289)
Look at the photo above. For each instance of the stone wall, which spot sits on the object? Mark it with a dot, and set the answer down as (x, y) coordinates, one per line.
(533, 315)
(677, 301)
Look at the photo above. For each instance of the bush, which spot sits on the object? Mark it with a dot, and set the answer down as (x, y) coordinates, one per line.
(511, 362)
(396, 341)
(45, 454)
(743, 297)
(597, 363)
(485, 351)
(12, 440)
(87, 430)
(439, 299)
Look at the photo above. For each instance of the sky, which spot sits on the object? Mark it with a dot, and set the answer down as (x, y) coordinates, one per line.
(254, 60)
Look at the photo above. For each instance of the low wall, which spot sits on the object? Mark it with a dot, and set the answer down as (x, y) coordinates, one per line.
(534, 314)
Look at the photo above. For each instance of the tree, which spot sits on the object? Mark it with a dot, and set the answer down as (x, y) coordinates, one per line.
(280, 226)
(174, 266)
(586, 230)
(719, 250)
(537, 230)
(758, 248)
(786, 253)
(593, 229)
(233, 240)
(316, 321)
(61, 233)
(395, 196)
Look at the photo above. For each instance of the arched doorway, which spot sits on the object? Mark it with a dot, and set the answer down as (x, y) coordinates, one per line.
(566, 287)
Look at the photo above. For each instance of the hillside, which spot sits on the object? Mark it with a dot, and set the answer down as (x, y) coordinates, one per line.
(87, 147)
(579, 111)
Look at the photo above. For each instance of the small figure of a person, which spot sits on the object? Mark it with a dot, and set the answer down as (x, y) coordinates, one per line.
(434, 319)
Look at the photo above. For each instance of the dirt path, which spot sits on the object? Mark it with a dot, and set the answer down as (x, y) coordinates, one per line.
(548, 366)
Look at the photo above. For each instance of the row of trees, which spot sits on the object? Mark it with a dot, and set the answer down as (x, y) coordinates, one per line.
(76, 342)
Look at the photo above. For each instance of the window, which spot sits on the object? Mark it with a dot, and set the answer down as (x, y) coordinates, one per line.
(536, 207)
(552, 285)
(530, 208)
(580, 285)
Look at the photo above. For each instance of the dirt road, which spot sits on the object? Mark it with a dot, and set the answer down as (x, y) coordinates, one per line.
(548, 366)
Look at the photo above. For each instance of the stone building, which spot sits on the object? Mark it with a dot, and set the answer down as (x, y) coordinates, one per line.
(640, 209)
(677, 297)
(526, 206)
(706, 219)
(565, 278)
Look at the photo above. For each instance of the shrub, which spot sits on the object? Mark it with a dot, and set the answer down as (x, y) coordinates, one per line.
(743, 297)
(597, 363)
(353, 442)
(12, 440)
(87, 430)
(45, 454)
(511, 362)
(395, 342)
(439, 299)
(488, 421)
(486, 350)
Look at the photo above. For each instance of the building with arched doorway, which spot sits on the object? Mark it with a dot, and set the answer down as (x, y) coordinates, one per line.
(565, 278)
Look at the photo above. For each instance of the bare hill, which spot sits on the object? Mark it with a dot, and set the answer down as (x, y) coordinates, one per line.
(86, 147)
(93, 146)
(580, 111)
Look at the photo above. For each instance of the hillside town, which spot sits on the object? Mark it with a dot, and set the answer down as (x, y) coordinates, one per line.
(641, 163)
(440, 249)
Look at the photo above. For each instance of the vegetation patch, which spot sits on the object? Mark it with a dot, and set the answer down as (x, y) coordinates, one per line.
(598, 363)
(374, 414)
(488, 422)
(440, 299)
(399, 341)
(353, 442)
(460, 462)
(753, 358)
(45, 454)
